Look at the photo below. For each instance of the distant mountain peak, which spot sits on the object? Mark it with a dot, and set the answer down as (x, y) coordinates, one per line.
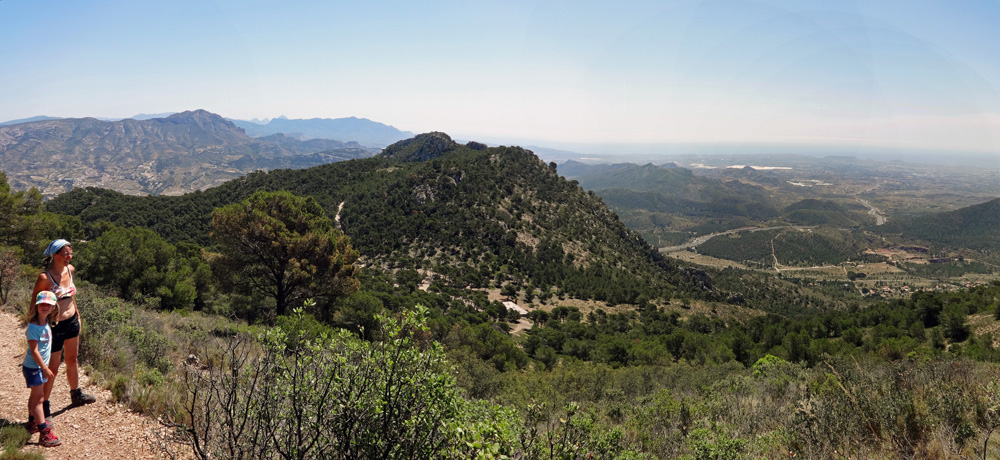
(423, 147)
(149, 116)
(204, 119)
(198, 114)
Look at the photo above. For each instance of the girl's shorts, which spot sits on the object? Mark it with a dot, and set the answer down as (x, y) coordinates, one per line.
(33, 377)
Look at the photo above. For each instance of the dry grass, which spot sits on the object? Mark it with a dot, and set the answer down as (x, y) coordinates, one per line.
(983, 323)
(725, 312)
(703, 260)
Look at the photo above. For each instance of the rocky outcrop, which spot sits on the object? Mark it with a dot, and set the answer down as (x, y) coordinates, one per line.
(420, 148)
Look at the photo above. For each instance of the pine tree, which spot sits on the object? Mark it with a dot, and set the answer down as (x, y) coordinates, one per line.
(283, 246)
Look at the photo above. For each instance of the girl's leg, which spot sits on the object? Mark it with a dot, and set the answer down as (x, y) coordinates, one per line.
(35, 404)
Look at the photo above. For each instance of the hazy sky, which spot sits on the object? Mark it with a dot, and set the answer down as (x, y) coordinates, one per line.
(884, 73)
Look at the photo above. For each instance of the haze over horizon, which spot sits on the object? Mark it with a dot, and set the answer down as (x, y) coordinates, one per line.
(885, 75)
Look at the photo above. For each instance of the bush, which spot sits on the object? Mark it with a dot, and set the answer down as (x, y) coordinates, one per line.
(715, 444)
(288, 393)
(127, 348)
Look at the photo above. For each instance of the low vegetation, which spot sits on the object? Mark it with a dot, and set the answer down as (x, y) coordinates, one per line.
(886, 385)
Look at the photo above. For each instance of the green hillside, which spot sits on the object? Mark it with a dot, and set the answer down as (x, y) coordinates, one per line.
(635, 177)
(668, 205)
(823, 212)
(786, 247)
(478, 216)
(974, 227)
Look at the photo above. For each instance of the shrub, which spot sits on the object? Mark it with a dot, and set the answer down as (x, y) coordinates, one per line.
(286, 394)
(715, 444)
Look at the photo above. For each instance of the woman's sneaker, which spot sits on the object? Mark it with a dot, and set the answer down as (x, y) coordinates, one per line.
(46, 438)
(79, 398)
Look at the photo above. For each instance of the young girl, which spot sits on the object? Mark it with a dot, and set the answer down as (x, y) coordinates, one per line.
(36, 364)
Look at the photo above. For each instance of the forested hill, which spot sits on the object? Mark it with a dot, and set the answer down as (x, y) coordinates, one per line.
(471, 213)
(666, 204)
(813, 211)
(671, 189)
(975, 227)
(631, 176)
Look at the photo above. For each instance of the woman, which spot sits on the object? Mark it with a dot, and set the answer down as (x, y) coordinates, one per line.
(58, 278)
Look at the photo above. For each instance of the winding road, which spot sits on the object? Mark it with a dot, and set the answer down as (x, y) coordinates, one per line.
(872, 211)
(702, 239)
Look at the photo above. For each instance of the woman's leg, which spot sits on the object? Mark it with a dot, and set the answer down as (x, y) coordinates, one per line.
(71, 349)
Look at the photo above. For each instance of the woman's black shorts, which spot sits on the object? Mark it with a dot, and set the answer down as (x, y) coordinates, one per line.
(66, 329)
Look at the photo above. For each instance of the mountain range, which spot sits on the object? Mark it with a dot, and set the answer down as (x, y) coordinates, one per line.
(180, 153)
(363, 131)
(27, 120)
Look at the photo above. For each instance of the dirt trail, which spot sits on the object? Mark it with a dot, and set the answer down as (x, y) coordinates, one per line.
(95, 431)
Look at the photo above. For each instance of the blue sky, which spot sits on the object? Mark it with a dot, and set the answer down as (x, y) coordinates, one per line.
(896, 74)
